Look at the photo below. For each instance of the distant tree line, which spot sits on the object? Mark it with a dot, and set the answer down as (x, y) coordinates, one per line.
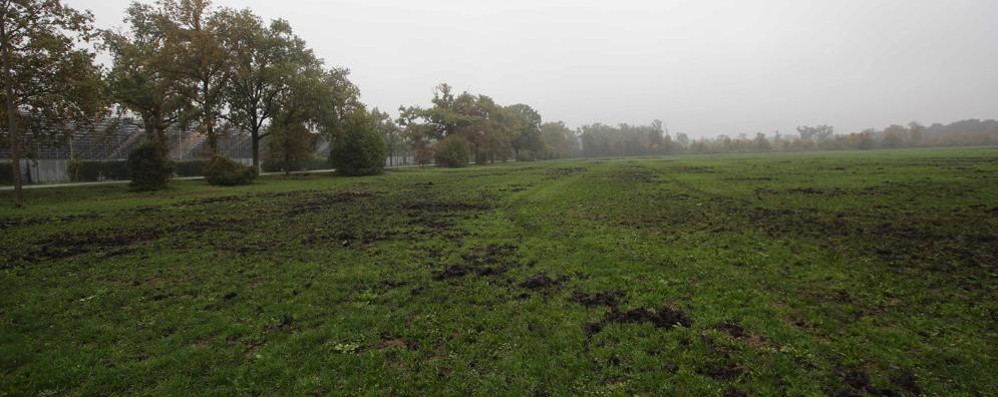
(491, 132)
(823, 137)
(185, 64)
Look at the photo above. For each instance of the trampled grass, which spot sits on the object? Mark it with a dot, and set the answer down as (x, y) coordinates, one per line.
(792, 274)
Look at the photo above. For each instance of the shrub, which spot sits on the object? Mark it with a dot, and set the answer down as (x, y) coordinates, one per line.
(83, 171)
(92, 171)
(117, 170)
(454, 151)
(361, 150)
(6, 174)
(311, 164)
(190, 167)
(224, 172)
(150, 167)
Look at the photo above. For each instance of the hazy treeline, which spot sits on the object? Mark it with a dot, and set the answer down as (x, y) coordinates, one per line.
(823, 137)
(600, 140)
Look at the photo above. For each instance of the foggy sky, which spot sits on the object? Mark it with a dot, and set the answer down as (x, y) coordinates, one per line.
(703, 67)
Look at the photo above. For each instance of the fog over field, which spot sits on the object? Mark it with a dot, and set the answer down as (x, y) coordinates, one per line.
(704, 67)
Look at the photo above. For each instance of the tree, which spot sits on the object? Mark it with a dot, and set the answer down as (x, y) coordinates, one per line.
(761, 143)
(816, 134)
(526, 131)
(137, 80)
(453, 152)
(264, 61)
(361, 149)
(194, 55)
(915, 133)
(51, 86)
(290, 144)
(419, 136)
(894, 136)
(559, 141)
(682, 141)
(391, 132)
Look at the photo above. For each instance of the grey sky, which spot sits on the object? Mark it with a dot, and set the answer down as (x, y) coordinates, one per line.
(704, 67)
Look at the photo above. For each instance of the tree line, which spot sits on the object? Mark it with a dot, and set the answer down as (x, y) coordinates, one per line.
(186, 64)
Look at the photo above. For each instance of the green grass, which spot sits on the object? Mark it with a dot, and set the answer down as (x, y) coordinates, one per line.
(791, 274)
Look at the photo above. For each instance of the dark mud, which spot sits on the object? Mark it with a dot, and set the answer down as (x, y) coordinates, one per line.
(665, 317)
(542, 280)
(611, 299)
(563, 172)
(322, 202)
(492, 260)
(721, 371)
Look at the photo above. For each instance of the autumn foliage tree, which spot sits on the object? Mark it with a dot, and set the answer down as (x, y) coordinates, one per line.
(51, 86)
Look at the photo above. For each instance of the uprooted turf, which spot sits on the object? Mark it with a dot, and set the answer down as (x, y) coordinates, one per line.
(796, 274)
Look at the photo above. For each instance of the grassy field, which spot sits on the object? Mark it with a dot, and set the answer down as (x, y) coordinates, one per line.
(791, 274)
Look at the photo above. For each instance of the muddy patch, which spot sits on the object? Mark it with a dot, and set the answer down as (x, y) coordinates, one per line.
(665, 317)
(635, 175)
(322, 202)
(733, 329)
(563, 172)
(686, 169)
(389, 342)
(611, 299)
(542, 280)
(349, 238)
(806, 191)
(721, 371)
(437, 206)
(492, 260)
(109, 242)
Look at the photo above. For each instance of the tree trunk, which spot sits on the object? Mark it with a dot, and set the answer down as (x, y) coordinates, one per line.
(15, 142)
(208, 118)
(255, 138)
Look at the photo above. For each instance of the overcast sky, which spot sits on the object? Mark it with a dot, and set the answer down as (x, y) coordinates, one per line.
(703, 67)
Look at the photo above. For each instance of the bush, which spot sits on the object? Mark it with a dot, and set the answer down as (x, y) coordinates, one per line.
(6, 174)
(190, 167)
(301, 165)
(93, 171)
(454, 151)
(83, 171)
(150, 167)
(116, 170)
(224, 172)
(361, 150)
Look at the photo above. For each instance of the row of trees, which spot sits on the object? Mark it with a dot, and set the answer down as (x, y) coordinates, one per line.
(186, 64)
(600, 140)
(823, 137)
(178, 64)
(486, 130)
(183, 63)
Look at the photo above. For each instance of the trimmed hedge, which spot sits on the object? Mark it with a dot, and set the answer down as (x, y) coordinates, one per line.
(6, 174)
(224, 172)
(151, 168)
(93, 171)
(190, 167)
(306, 165)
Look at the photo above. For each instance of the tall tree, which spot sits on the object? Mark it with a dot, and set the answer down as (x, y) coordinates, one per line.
(391, 132)
(138, 81)
(559, 141)
(193, 53)
(527, 132)
(265, 60)
(51, 85)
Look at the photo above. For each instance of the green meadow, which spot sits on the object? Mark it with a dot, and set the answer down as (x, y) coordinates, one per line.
(834, 273)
